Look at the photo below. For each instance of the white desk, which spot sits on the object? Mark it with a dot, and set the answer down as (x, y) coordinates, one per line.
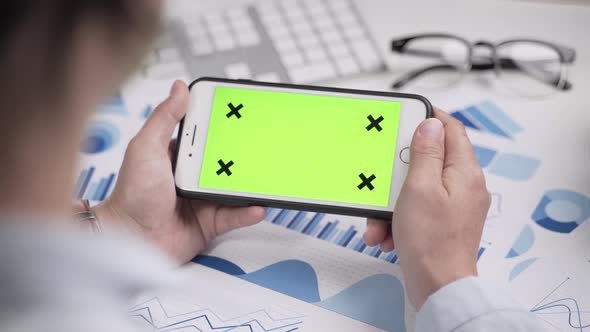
(558, 126)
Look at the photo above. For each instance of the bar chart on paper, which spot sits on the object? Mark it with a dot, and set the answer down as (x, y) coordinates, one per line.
(92, 187)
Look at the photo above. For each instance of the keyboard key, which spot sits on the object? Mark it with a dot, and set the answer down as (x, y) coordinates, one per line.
(272, 19)
(367, 55)
(314, 72)
(346, 19)
(316, 55)
(354, 32)
(240, 24)
(201, 44)
(271, 77)
(331, 37)
(338, 50)
(214, 19)
(302, 29)
(223, 40)
(295, 15)
(247, 38)
(279, 32)
(219, 28)
(318, 10)
(238, 70)
(166, 70)
(325, 22)
(347, 66)
(310, 41)
(292, 59)
(169, 55)
(286, 45)
(239, 15)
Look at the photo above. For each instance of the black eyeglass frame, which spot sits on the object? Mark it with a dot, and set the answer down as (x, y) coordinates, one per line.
(567, 56)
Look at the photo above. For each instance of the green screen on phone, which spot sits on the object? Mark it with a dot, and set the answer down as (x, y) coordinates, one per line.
(297, 145)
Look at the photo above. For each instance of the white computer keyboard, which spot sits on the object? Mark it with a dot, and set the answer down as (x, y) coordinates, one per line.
(290, 41)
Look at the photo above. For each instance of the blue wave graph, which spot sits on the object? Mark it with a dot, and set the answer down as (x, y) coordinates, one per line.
(365, 301)
(145, 312)
(85, 188)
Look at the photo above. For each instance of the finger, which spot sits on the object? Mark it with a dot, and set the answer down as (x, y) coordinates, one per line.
(161, 124)
(388, 245)
(427, 152)
(230, 218)
(458, 148)
(376, 232)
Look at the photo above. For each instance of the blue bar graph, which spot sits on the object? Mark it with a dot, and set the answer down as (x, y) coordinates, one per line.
(488, 117)
(326, 228)
(96, 190)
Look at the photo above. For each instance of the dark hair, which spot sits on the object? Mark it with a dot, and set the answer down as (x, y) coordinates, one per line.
(36, 36)
(63, 16)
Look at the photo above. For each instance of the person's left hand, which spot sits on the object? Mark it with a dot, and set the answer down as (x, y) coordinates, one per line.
(145, 200)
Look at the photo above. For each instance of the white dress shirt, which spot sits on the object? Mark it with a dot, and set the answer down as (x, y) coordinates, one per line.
(58, 280)
(472, 304)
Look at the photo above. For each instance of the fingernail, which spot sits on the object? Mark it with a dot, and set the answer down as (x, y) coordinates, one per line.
(431, 128)
(174, 88)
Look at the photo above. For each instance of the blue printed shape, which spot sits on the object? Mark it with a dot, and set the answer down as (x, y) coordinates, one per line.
(114, 105)
(377, 300)
(520, 267)
(524, 242)
(562, 211)
(515, 167)
(484, 156)
(478, 116)
(101, 137)
(501, 119)
(480, 252)
(466, 122)
(219, 264)
(292, 277)
(147, 112)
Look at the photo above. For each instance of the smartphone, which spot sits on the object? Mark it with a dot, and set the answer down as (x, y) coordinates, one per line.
(296, 147)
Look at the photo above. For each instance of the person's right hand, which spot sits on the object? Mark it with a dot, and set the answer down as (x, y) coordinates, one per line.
(439, 217)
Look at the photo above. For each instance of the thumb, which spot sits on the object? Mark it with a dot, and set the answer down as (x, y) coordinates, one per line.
(427, 153)
(230, 218)
(160, 125)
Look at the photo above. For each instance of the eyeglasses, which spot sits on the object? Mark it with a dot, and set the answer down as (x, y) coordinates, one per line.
(528, 67)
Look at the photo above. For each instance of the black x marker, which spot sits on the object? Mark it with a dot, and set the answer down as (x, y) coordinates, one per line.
(224, 167)
(375, 123)
(366, 181)
(234, 110)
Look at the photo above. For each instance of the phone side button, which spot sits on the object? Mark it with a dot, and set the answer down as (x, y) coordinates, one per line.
(404, 155)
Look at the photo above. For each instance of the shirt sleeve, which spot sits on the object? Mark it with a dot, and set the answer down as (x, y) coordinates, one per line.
(472, 304)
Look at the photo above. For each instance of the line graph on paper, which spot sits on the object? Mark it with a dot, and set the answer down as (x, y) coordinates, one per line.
(167, 314)
(566, 307)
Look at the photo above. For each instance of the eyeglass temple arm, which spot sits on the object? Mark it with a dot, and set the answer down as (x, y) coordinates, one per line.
(504, 64)
(402, 81)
